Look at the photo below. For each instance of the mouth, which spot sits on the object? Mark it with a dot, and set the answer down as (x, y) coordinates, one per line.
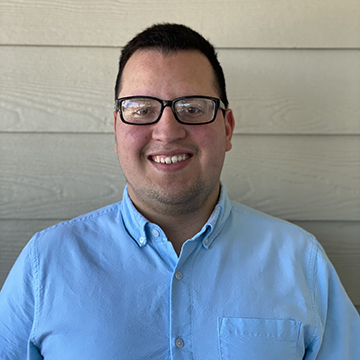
(163, 159)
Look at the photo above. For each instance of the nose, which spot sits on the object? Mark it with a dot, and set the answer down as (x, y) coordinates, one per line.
(168, 129)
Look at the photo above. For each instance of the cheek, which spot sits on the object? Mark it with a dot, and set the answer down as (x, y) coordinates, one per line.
(213, 150)
(211, 142)
(130, 141)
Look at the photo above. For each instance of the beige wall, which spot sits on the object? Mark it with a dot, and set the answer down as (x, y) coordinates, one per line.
(293, 72)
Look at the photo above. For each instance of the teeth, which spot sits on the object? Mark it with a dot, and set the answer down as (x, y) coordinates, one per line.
(169, 160)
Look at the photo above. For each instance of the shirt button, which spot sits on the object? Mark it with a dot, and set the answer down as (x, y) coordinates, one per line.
(142, 240)
(179, 343)
(178, 275)
(155, 233)
(206, 241)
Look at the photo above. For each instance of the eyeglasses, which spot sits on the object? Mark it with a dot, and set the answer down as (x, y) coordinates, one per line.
(190, 110)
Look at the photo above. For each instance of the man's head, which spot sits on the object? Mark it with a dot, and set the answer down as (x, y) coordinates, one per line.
(172, 167)
(169, 38)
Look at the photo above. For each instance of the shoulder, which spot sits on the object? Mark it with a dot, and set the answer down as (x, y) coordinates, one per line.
(84, 226)
(261, 218)
(264, 228)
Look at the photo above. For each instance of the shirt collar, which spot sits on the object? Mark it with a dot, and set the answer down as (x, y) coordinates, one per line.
(217, 219)
(136, 224)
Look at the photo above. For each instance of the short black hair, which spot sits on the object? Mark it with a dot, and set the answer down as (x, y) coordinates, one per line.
(169, 38)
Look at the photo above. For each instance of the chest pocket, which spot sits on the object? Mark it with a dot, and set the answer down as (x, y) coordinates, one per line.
(259, 339)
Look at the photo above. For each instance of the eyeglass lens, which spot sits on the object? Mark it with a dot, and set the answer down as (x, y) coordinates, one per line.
(189, 110)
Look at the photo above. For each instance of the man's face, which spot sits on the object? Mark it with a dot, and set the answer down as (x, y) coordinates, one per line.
(189, 184)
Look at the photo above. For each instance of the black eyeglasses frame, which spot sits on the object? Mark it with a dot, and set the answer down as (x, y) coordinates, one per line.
(164, 103)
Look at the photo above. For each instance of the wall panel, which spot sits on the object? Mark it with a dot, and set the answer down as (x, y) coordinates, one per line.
(46, 89)
(296, 177)
(232, 23)
(58, 176)
(293, 75)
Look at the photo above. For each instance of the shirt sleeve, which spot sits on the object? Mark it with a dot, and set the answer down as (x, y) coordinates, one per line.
(17, 310)
(337, 334)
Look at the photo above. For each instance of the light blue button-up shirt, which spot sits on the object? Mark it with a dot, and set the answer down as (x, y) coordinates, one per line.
(109, 285)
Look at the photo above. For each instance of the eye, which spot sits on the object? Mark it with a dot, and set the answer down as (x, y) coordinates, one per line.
(138, 109)
(142, 111)
(192, 110)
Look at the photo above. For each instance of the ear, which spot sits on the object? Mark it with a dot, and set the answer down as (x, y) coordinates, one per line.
(229, 127)
(115, 118)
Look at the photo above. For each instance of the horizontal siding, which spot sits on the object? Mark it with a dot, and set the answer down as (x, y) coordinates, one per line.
(296, 177)
(47, 89)
(340, 240)
(58, 66)
(246, 23)
(57, 89)
(294, 92)
(58, 176)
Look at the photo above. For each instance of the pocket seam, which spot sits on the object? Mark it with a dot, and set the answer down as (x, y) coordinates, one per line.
(270, 331)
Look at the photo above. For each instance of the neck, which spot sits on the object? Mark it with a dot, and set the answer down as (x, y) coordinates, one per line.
(180, 229)
(178, 226)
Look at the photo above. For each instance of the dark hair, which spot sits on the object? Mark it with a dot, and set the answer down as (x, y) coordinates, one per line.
(171, 38)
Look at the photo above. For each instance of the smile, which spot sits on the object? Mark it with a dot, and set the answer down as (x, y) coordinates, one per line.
(170, 159)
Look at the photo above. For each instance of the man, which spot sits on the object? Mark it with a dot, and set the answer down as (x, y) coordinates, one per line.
(175, 270)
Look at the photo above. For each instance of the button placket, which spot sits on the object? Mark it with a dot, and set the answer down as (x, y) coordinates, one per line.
(181, 304)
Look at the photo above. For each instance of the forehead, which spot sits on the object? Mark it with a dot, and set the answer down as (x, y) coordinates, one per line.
(153, 72)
